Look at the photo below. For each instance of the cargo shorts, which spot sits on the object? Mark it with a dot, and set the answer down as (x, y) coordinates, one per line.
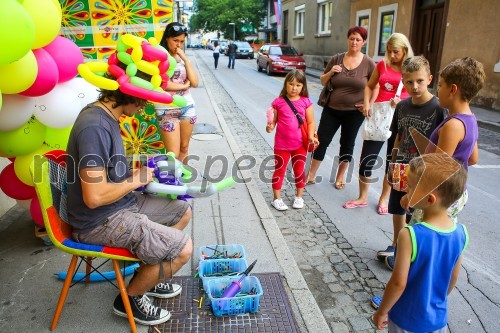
(145, 229)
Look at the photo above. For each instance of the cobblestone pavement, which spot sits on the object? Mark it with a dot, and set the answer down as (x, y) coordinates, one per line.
(340, 281)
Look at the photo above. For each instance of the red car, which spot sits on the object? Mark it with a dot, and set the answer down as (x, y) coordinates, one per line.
(277, 58)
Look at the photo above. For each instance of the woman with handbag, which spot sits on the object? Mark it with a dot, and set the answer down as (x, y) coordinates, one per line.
(344, 79)
(386, 78)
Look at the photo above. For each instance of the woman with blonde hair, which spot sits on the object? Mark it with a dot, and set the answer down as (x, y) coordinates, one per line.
(386, 77)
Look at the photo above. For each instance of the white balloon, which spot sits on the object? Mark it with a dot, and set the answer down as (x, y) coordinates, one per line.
(59, 108)
(15, 111)
(86, 92)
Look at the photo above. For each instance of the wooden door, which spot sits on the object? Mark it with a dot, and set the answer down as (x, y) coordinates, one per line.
(428, 34)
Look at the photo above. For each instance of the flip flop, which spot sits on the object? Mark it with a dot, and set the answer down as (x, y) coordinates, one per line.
(351, 204)
(340, 185)
(311, 182)
(382, 209)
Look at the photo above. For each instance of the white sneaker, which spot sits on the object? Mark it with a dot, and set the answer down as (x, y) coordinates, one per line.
(279, 204)
(298, 203)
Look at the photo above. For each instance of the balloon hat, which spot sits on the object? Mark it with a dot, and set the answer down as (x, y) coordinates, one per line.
(135, 55)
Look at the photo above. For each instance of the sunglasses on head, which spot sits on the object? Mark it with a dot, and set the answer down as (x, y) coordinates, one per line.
(178, 28)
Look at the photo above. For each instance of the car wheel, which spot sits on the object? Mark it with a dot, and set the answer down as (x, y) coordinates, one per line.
(259, 69)
(268, 70)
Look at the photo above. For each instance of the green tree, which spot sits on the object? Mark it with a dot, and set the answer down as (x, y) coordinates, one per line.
(215, 15)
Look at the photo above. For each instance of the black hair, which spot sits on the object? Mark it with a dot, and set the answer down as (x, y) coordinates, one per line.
(170, 31)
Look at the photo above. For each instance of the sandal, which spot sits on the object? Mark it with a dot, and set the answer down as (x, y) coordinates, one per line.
(382, 209)
(340, 185)
(311, 182)
(351, 204)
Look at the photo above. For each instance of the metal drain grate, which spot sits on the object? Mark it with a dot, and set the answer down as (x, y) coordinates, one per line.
(274, 313)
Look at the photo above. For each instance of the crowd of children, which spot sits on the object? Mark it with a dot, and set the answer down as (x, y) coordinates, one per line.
(435, 140)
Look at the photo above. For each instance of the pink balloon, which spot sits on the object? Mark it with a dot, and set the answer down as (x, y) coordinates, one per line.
(47, 76)
(67, 56)
(36, 212)
(13, 187)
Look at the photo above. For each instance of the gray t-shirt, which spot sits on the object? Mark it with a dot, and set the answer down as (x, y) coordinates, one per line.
(422, 117)
(349, 85)
(95, 141)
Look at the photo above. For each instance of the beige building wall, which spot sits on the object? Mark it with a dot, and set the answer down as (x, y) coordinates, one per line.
(403, 19)
(318, 49)
(473, 30)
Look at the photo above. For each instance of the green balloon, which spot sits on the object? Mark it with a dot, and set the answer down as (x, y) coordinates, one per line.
(24, 139)
(179, 101)
(17, 31)
(57, 138)
(172, 63)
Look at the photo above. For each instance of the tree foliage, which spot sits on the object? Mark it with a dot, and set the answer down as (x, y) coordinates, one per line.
(215, 15)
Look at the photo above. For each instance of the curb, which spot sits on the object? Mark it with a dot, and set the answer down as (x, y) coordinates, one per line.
(491, 126)
(306, 303)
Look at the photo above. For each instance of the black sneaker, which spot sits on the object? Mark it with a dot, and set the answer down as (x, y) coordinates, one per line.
(390, 261)
(381, 255)
(164, 290)
(143, 310)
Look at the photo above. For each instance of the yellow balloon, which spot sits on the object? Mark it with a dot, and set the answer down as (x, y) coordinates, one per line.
(19, 75)
(47, 18)
(58, 5)
(17, 31)
(22, 164)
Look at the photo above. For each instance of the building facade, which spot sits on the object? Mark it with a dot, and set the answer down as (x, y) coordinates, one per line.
(441, 30)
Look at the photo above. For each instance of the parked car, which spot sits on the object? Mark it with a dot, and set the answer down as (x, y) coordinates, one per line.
(244, 50)
(222, 47)
(277, 58)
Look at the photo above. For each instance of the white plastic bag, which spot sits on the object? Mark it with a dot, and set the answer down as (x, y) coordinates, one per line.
(376, 127)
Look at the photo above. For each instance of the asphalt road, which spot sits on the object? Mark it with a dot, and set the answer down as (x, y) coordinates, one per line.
(474, 306)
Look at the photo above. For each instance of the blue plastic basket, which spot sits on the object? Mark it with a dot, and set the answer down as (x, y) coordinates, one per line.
(208, 252)
(223, 266)
(234, 305)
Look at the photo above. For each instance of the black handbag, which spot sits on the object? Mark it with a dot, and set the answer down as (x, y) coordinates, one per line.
(324, 97)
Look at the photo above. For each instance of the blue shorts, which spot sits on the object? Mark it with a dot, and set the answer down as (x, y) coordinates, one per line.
(167, 118)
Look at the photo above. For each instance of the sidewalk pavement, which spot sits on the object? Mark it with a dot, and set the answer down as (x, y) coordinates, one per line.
(486, 119)
(237, 215)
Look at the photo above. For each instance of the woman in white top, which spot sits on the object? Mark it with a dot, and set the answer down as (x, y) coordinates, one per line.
(216, 53)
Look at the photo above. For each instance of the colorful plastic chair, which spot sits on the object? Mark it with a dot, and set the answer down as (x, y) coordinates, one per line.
(50, 185)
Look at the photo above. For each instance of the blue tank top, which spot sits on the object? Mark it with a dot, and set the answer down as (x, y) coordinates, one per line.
(466, 146)
(423, 306)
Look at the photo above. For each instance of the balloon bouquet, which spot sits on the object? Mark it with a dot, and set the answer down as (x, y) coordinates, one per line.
(40, 97)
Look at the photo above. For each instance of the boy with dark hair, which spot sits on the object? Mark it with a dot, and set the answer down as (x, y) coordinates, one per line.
(429, 253)
(103, 210)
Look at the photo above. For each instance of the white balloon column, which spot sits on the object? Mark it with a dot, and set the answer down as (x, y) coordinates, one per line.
(40, 96)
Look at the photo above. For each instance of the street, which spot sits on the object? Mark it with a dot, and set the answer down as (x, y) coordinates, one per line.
(332, 244)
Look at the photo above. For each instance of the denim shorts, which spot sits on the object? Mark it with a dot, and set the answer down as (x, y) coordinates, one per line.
(167, 118)
(144, 229)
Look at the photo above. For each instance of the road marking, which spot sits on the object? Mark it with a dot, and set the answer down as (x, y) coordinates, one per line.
(486, 166)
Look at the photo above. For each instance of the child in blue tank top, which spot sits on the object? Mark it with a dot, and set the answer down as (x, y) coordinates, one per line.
(429, 254)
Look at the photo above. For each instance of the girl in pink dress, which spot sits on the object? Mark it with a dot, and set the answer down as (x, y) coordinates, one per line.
(288, 139)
